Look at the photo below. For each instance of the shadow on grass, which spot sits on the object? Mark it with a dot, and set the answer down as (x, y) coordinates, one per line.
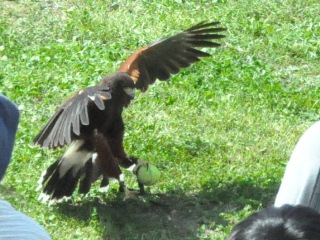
(173, 215)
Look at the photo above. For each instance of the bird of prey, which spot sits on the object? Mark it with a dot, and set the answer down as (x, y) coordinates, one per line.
(90, 121)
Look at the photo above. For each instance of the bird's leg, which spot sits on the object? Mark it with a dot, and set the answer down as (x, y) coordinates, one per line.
(128, 162)
(109, 165)
(137, 165)
(116, 145)
(122, 185)
(132, 164)
(127, 192)
(141, 188)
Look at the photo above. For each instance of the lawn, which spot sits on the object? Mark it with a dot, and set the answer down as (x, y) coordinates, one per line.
(221, 131)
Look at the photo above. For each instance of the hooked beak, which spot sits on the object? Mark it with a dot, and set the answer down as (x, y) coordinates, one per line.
(130, 91)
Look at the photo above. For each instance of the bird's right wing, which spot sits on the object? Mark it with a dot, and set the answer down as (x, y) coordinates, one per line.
(66, 122)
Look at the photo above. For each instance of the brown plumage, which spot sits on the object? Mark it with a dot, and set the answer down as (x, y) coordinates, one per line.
(167, 56)
(91, 118)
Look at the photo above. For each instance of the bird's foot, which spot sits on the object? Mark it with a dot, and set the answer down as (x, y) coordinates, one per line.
(130, 194)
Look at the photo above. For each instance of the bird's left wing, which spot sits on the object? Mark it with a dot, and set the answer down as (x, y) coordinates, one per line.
(65, 124)
(167, 56)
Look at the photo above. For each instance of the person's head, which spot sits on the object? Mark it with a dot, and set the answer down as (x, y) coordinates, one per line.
(9, 119)
(283, 223)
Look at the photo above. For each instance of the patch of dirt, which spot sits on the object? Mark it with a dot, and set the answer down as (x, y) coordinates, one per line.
(172, 216)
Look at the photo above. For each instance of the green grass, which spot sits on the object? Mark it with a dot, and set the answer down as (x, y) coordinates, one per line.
(221, 131)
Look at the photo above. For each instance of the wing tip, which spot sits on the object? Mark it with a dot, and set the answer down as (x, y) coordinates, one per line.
(203, 24)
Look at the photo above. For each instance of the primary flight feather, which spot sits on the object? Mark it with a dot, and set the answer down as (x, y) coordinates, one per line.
(92, 117)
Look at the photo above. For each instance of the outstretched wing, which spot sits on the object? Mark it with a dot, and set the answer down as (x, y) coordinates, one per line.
(67, 120)
(167, 56)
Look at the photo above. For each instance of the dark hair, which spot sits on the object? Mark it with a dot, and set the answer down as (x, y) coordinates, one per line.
(283, 223)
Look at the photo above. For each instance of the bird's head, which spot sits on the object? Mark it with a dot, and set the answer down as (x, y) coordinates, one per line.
(120, 83)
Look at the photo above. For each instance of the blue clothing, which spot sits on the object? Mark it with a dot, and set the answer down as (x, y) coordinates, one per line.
(9, 119)
(13, 224)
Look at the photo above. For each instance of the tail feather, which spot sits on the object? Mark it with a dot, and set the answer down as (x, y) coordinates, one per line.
(58, 188)
(75, 167)
(80, 166)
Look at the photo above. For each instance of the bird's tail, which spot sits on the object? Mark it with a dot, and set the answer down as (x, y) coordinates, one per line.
(76, 167)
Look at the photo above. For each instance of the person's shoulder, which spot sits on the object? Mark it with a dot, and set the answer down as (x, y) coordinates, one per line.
(9, 111)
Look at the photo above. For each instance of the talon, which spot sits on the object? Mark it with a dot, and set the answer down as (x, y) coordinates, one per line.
(130, 194)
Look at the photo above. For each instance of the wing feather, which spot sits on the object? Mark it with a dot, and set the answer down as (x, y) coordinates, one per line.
(167, 56)
(99, 102)
(84, 116)
(76, 120)
(66, 123)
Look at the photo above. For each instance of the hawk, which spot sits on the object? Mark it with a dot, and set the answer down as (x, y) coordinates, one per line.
(90, 121)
